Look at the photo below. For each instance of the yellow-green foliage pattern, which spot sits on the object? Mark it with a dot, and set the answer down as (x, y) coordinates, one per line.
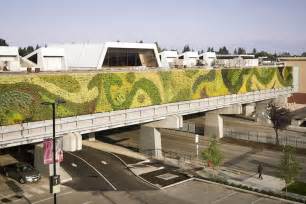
(21, 95)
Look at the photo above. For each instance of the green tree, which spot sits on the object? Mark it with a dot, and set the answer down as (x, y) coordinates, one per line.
(3, 42)
(289, 166)
(26, 50)
(303, 54)
(235, 51)
(284, 54)
(212, 154)
(241, 51)
(186, 48)
(254, 51)
(223, 51)
(269, 56)
(210, 49)
(280, 118)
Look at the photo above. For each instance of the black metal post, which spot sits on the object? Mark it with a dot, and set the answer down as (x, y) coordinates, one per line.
(54, 147)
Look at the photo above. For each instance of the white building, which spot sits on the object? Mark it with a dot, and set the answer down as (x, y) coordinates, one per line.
(168, 58)
(110, 54)
(48, 59)
(208, 58)
(9, 59)
(188, 59)
(237, 60)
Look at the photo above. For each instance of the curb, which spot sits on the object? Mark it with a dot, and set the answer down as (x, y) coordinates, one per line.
(126, 165)
(247, 191)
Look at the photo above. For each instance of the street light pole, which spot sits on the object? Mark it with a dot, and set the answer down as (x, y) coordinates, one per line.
(53, 105)
(54, 147)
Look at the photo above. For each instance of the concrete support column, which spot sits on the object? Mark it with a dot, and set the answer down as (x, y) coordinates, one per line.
(47, 169)
(214, 120)
(213, 124)
(260, 110)
(44, 169)
(248, 109)
(92, 136)
(39, 160)
(150, 141)
(150, 137)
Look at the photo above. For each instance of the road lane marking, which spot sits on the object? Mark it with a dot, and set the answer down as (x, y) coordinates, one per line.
(98, 172)
(104, 162)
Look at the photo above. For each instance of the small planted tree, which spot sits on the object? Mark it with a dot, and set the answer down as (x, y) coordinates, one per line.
(280, 118)
(289, 165)
(212, 154)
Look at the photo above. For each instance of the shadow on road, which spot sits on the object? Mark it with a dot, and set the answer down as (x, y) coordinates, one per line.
(238, 159)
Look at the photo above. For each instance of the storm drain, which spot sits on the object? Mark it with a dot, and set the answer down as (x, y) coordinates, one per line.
(167, 176)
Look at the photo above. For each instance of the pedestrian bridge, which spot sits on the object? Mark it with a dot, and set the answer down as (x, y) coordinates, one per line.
(98, 101)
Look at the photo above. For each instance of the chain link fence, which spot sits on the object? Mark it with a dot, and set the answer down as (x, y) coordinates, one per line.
(261, 137)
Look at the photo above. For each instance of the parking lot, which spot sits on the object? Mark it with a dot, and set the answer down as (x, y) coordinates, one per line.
(192, 192)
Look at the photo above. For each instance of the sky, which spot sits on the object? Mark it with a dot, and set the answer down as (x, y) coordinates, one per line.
(272, 25)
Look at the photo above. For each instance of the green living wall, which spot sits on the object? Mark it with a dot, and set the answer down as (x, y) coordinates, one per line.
(21, 95)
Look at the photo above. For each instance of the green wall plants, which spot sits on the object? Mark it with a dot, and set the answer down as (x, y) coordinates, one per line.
(93, 92)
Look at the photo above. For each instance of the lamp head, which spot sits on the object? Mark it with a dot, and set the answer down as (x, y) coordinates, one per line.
(60, 101)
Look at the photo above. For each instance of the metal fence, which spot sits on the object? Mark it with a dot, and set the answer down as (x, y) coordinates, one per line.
(298, 142)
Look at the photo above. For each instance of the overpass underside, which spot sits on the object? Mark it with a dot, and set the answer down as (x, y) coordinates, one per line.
(98, 101)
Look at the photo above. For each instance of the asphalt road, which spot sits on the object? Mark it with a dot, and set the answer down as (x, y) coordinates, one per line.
(100, 171)
(236, 156)
(84, 177)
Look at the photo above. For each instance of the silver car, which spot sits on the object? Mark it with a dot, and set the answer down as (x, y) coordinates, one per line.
(22, 172)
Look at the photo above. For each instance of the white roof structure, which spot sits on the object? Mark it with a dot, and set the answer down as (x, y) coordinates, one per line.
(208, 58)
(168, 58)
(94, 56)
(9, 58)
(48, 58)
(189, 59)
(244, 56)
(189, 54)
(169, 54)
(8, 51)
(82, 54)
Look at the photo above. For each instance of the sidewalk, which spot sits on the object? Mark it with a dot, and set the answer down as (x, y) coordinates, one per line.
(250, 179)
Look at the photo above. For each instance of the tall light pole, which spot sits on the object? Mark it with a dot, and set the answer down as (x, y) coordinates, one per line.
(53, 105)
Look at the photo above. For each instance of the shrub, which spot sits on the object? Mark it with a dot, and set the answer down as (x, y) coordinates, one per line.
(66, 82)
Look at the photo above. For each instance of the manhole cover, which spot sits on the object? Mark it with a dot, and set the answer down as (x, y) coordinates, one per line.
(167, 176)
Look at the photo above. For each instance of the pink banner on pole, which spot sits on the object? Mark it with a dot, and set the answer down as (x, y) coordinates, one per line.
(48, 151)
